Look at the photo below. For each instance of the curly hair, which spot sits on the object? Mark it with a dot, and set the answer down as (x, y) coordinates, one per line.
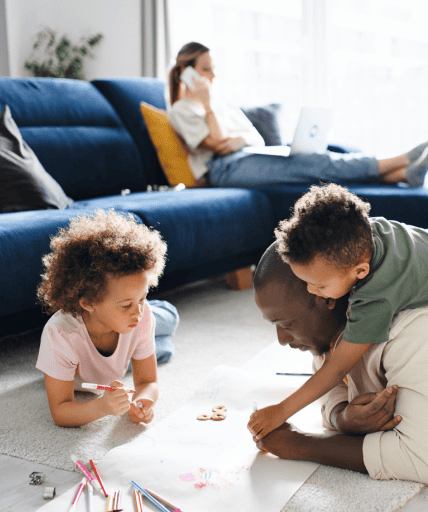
(91, 249)
(328, 221)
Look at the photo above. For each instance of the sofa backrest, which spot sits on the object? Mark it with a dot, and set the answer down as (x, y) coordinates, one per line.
(126, 94)
(76, 134)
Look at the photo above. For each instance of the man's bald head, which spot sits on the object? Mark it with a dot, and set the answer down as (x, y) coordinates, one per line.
(272, 269)
(302, 320)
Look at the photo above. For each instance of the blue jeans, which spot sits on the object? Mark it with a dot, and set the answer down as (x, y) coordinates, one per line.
(167, 319)
(245, 170)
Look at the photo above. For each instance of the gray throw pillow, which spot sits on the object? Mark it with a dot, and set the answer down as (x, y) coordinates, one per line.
(24, 183)
(265, 121)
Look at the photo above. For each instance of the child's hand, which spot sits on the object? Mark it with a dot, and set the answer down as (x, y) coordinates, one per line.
(116, 402)
(142, 410)
(265, 420)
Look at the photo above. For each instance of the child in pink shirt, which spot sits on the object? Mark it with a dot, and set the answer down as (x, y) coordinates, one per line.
(96, 281)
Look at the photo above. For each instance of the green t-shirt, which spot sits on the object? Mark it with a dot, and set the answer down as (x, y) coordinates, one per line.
(398, 279)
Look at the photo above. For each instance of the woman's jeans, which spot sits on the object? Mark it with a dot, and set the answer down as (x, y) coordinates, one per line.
(246, 170)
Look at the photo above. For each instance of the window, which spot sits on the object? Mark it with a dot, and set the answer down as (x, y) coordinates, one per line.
(367, 59)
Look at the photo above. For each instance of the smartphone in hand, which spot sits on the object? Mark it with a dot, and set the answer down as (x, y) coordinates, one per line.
(187, 77)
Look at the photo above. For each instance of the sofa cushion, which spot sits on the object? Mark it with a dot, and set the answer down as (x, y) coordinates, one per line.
(394, 202)
(265, 121)
(172, 152)
(24, 239)
(126, 94)
(200, 225)
(24, 184)
(76, 134)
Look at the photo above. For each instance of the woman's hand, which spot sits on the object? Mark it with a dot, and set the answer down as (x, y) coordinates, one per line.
(141, 410)
(371, 412)
(202, 91)
(116, 402)
(229, 145)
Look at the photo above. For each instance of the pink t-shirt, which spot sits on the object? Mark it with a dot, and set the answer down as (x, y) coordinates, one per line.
(67, 352)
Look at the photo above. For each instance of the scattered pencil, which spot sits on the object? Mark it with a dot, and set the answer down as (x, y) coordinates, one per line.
(109, 504)
(94, 468)
(162, 500)
(139, 503)
(90, 498)
(78, 494)
(155, 502)
(297, 374)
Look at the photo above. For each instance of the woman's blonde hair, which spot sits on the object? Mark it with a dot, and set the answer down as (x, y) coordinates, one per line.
(187, 56)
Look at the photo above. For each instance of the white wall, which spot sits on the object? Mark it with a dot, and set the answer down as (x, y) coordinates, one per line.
(118, 54)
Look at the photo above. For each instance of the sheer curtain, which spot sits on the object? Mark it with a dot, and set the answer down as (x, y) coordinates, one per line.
(367, 59)
(4, 50)
(156, 38)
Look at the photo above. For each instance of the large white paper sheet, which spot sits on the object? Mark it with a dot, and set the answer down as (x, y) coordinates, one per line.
(209, 465)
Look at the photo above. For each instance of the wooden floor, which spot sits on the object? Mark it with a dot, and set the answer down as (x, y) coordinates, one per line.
(19, 496)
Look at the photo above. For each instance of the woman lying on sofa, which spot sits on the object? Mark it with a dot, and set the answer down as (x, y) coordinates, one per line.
(216, 134)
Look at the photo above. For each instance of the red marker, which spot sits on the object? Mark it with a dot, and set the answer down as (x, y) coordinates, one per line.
(87, 385)
(91, 462)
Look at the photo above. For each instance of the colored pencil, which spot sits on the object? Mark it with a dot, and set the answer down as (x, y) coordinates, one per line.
(162, 500)
(109, 504)
(92, 463)
(90, 498)
(139, 503)
(155, 502)
(297, 374)
(78, 494)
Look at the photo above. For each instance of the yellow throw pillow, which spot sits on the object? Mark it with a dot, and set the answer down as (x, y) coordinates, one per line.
(172, 152)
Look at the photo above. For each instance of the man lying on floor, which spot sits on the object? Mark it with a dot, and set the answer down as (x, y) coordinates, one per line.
(371, 439)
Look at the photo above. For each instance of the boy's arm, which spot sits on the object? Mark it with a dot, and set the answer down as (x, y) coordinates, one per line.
(68, 413)
(326, 378)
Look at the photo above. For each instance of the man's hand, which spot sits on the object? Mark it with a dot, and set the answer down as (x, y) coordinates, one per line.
(265, 420)
(282, 442)
(367, 413)
(229, 145)
(337, 450)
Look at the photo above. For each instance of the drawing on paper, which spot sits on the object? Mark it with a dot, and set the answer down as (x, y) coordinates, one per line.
(204, 478)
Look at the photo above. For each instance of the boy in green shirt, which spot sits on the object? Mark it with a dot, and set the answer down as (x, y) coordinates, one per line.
(332, 244)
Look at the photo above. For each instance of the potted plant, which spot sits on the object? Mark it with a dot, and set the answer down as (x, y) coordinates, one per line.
(60, 58)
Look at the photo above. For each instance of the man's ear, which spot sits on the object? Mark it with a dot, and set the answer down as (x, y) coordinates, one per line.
(325, 302)
(362, 269)
(86, 305)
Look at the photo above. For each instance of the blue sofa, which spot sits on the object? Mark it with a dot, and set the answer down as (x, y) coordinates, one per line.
(91, 138)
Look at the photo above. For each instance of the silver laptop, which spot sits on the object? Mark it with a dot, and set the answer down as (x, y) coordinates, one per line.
(311, 131)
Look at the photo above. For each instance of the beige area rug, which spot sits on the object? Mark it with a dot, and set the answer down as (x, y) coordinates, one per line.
(218, 326)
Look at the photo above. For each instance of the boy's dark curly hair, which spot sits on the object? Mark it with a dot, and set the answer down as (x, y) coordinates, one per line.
(328, 221)
(92, 249)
